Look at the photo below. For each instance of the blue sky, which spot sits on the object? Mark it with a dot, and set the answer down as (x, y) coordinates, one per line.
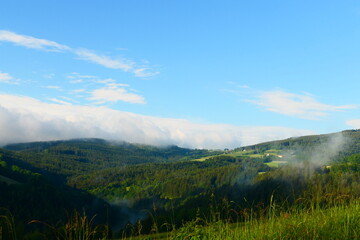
(210, 74)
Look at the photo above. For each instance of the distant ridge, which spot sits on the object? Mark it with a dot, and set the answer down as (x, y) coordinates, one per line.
(351, 140)
(40, 145)
(353, 134)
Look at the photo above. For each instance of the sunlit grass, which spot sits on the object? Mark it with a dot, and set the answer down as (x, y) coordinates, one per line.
(339, 222)
(248, 153)
(275, 164)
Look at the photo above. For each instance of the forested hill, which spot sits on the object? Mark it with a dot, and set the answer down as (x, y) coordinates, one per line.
(78, 156)
(120, 181)
(346, 143)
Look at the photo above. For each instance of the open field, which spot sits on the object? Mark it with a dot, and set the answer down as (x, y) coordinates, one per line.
(275, 164)
(248, 153)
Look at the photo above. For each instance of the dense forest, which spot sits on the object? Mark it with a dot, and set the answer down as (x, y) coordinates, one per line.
(171, 192)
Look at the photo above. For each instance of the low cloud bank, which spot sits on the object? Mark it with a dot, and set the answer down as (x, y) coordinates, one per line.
(354, 123)
(25, 119)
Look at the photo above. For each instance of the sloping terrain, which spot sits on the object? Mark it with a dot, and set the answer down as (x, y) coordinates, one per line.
(125, 183)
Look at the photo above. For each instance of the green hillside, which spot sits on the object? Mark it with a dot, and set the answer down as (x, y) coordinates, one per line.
(29, 195)
(74, 157)
(181, 193)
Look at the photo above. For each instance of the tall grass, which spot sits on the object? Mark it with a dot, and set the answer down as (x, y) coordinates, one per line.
(339, 222)
(7, 226)
(78, 227)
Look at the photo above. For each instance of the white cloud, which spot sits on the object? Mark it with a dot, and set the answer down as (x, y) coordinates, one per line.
(79, 90)
(123, 64)
(77, 75)
(59, 101)
(5, 77)
(112, 91)
(354, 123)
(53, 87)
(115, 94)
(144, 72)
(111, 83)
(105, 61)
(76, 81)
(301, 106)
(24, 119)
(31, 42)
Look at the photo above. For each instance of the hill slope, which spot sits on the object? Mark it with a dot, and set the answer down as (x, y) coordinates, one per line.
(79, 156)
(175, 184)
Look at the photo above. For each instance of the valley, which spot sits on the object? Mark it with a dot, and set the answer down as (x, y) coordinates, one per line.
(147, 192)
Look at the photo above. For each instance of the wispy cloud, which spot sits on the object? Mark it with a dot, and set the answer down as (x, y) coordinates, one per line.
(53, 87)
(144, 72)
(78, 90)
(79, 78)
(111, 83)
(122, 64)
(125, 65)
(27, 119)
(236, 88)
(114, 92)
(7, 78)
(302, 106)
(59, 101)
(76, 81)
(75, 75)
(107, 90)
(354, 123)
(31, 42)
